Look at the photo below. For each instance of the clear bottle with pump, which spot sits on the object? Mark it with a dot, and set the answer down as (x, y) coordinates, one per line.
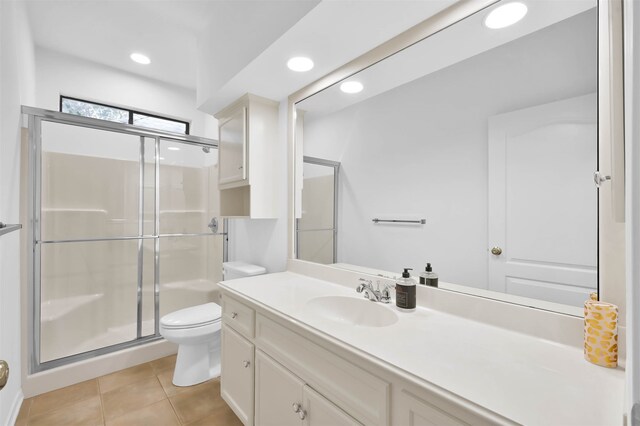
(406, 291)
(428, 277)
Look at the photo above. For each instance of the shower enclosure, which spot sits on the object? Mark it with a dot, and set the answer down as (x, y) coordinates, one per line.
(122, 229)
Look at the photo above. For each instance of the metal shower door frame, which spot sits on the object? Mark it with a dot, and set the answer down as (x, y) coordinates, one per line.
(35, 117)
(336, 185)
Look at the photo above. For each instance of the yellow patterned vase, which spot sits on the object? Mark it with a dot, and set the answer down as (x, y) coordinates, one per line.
(601, 332)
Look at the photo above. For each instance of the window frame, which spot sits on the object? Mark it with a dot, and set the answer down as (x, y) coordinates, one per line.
(130, 111)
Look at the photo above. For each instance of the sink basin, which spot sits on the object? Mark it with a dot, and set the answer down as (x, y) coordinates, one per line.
(352, 311)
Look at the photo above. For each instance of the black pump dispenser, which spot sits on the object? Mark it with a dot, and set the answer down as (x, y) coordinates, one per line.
(428, 277)
(406, 291)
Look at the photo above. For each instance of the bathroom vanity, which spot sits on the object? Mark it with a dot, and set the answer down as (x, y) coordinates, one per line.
(301, 350)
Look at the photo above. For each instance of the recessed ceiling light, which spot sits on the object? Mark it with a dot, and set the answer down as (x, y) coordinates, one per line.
(351, 87)
(300, 64)
(173, 148)
(505, 15)
(140, 58)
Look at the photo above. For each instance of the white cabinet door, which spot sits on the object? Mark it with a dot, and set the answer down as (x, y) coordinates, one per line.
(233, 148)
(542, 201)
(236, 381)
(277, 390)
(319, 411)
(414, 411)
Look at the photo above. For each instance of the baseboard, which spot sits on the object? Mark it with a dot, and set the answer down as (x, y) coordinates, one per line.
(15, 408)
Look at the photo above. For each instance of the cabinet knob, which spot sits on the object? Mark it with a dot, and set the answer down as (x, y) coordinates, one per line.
(246, 364)
(297, 408)
(239, 167)
(234, 315)
(496, 251)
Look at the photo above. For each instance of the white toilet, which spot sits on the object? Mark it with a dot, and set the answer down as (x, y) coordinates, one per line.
(233, 270)
(196, 330)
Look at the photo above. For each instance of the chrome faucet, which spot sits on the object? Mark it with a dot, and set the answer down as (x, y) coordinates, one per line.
(376, 295)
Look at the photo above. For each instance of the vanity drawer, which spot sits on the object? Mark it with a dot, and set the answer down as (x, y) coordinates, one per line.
(238, 315)
(356, 391)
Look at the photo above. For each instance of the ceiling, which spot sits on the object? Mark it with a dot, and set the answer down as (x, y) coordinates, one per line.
(223, 48)
(168, 31)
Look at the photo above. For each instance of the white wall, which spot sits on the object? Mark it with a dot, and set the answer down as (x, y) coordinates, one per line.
(420, 151)
(16, 88)
(58, 74)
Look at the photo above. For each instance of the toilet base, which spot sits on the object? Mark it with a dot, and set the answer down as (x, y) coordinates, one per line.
(197, 363)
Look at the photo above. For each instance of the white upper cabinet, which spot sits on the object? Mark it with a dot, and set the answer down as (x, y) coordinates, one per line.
(248, 164)
(232, 149)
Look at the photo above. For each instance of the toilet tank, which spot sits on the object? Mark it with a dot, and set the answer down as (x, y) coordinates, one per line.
(233, 270)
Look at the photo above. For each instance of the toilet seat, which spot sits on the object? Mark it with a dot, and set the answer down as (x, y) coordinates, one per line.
(195, 316)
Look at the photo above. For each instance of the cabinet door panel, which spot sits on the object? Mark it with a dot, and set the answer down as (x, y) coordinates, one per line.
(415, 411)
(319, 411)
(236, 381)
(232, 148)
(277, 389)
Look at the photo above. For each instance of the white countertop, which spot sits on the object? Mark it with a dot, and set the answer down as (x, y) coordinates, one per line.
(529, 380)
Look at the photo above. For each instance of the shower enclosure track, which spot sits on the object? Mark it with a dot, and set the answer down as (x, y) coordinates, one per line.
(34, 118)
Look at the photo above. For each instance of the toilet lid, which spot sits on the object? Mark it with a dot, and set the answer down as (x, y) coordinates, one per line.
(192, 317)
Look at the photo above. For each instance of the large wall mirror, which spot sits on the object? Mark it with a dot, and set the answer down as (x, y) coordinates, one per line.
(473, 150)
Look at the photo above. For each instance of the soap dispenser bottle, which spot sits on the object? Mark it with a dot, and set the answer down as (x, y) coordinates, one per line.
(406, 291)
(428, 277)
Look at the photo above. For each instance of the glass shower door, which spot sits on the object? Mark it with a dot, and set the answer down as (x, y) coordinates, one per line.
(125, 230)
(89, 237)
(190, 229)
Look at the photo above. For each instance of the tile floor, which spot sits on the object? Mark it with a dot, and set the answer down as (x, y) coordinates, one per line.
(140, 395)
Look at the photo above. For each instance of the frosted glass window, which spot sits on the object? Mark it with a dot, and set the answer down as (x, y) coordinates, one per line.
(87, 109)
(159, 123)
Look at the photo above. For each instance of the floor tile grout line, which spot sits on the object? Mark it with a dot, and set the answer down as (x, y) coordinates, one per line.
(137, 408)
(175, 413)
(130, 383)
(28, 410)
(104, 419)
